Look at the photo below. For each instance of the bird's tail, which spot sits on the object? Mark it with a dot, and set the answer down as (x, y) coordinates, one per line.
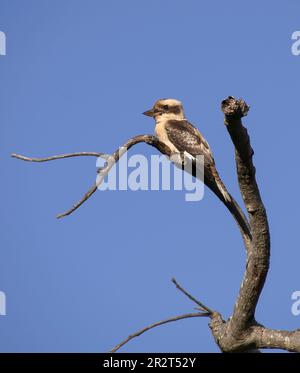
(213, 181)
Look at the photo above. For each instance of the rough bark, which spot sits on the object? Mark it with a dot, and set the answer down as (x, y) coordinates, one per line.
(241, 332)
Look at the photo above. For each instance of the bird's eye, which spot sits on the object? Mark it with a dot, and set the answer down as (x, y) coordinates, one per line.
(165, 107)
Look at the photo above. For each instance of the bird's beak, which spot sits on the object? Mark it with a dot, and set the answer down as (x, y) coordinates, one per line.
(149, 113)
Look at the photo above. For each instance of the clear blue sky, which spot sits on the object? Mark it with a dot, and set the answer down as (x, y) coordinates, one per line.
(76, 77)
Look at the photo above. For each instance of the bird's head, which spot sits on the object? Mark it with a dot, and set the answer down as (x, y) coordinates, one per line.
(168, 108)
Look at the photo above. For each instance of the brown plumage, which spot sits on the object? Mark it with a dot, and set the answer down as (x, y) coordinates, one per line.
(181, 136)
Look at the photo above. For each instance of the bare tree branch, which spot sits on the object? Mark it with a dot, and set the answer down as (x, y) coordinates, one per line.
(61, 156)
(281, 339)
(237, 213)
(258, 256)
(171, 319)
(111, 161)
(241, 333)
(202, 306)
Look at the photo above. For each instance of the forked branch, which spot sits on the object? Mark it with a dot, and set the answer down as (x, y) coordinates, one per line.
(205, 312)
(111, 160)
(159, 323)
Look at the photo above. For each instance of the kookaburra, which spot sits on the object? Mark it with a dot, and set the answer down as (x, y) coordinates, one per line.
(180, 136)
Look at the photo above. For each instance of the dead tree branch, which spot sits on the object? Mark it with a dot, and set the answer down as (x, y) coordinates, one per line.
(111, 160)
(61, 156)
(202, 306)
(258, 256)
(171, 319)
(205, 312)
(241, 332)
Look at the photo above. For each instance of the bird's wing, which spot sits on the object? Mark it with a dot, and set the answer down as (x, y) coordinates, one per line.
(187, 138)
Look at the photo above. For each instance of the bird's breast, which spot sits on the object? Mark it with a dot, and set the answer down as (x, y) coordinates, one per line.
(161, 134)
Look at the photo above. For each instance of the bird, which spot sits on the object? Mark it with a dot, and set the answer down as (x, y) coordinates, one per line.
(182, 137)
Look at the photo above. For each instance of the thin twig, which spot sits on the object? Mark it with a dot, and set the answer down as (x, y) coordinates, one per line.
(200, 304)
(113, 159)
(69, 155)
(87, 195)
(61, 156)
(171, 319)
